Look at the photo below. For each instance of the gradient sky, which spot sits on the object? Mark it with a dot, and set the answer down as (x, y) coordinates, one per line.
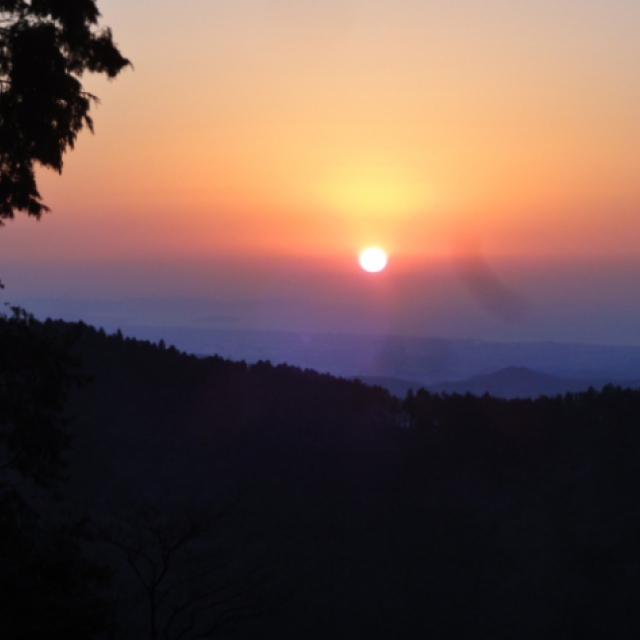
(279, 129)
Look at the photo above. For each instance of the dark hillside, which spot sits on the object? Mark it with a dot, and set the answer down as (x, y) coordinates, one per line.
(440, 516)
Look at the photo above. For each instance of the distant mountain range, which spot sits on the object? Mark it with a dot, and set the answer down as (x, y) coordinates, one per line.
(511, 382)
(422, 361)
(505, 369)
(478, 519)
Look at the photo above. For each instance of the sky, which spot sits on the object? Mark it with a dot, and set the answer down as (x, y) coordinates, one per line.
(254, 139)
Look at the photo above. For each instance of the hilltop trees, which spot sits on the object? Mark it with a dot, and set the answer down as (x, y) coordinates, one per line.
(45, 48)
(47, 586)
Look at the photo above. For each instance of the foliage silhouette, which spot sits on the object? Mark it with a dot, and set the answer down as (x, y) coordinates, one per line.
(45, 48)
(47, 586)
(36, 368)
(480, 518)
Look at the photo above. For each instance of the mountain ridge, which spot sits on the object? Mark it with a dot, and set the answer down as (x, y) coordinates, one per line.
(509, 383)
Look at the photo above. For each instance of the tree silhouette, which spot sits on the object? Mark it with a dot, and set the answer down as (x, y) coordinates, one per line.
(47, 586)
(191, 582)
(45, 48)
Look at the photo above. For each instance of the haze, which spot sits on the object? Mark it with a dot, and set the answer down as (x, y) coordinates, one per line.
(492, 148)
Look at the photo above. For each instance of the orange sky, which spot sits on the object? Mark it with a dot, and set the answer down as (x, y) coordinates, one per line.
(300, 127)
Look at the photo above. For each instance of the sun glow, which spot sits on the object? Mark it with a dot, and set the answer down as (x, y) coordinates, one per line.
(373, 259)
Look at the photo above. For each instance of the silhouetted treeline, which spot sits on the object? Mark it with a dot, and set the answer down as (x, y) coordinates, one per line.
(49, 587)
(351, 513)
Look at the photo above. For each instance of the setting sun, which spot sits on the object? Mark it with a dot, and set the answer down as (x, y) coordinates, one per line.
(375, 264)
(373, 259)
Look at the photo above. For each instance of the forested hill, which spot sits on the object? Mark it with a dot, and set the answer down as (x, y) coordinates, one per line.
(145, 387)
(433, 516)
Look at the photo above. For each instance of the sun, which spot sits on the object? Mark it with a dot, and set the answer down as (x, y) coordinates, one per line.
(373, 259)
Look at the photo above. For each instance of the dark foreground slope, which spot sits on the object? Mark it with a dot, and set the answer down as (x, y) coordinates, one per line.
(441, 516)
